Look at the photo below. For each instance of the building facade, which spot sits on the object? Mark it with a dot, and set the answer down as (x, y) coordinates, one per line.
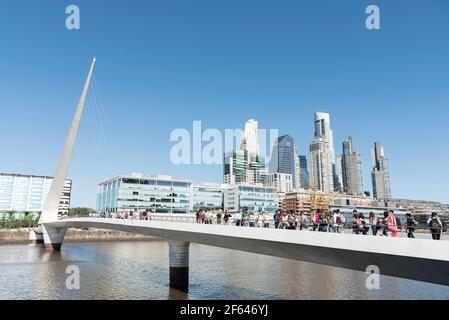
(240, 166)
(338, 182)
(207, 196)
(351, 163)
(303, 173)
(245, 165)
(28, 193)
(250, 139)
(297, 176)
(321, 167)
(136, 192)
(283, 157)
(322, 155)
(280, 182)
(253, 198)
(380, 174)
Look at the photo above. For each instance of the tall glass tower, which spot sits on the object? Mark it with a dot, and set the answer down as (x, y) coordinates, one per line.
(304, 173)
(322, 155)
(380, 174)
(283, 157)
(351, 168)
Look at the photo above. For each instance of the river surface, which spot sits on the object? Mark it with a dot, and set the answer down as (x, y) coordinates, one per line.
(139, 270)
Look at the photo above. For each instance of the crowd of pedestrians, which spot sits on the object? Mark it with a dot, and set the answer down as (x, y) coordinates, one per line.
(388, 225)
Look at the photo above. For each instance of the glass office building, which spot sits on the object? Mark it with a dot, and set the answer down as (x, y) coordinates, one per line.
(207, 196)
(27, 193)
(283, 157)
(254, 198)
(304, 173)
(160, 194)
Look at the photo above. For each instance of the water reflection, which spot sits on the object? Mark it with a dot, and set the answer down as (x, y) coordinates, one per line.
(139, 270)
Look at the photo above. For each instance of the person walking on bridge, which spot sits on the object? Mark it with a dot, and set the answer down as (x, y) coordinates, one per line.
(245, 217)
(252, 219)
(316, 218)
(374, 222)
(435, 225)
(265, 219)
(259, 219)
(227, 218)
(303, 221)
(277, 217)
(411, 225)
(337, 221)
(238, 219)
(219, 215)
(392, 224)
(199, 216)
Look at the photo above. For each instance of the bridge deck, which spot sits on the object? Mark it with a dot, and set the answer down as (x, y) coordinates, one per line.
(417, 259)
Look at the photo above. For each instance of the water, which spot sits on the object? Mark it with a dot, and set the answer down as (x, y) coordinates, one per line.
(139, 270)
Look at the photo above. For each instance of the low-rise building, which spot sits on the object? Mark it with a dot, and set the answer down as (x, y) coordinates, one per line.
(207, 196)
(136, 192)
(254, 198)
(21, 194)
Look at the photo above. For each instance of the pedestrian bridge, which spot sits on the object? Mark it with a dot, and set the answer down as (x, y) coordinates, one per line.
(416, 259)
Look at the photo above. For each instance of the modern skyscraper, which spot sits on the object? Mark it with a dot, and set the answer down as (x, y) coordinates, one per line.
(250, 139)
(283, 157)
(351, 164)
(303, 173)
(234, 169)
(322, 155)
(297, 176)
(338, 181)
(321, 167)
(245, 165)
(255, 172)
(380, 174)
(323, 130)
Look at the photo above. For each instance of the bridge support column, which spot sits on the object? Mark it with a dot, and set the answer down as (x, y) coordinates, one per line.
(53, 237)
(179, 265)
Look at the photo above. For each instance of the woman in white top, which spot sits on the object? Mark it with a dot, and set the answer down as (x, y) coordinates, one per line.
(260, 220)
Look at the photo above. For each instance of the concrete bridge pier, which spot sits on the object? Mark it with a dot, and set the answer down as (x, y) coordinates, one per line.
(53, 237)
(179, 265)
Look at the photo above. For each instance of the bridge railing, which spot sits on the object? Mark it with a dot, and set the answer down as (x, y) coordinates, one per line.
(191, 218)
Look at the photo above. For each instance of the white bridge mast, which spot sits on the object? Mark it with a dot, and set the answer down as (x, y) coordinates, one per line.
(50, 210)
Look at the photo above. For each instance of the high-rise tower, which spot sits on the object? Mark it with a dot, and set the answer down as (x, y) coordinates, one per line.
(351, 168)
(380, 174)
(322, 155)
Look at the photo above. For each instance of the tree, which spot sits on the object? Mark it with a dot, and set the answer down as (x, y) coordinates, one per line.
(80, 212)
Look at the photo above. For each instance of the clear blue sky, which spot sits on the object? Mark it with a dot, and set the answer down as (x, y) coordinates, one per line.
(163, 64)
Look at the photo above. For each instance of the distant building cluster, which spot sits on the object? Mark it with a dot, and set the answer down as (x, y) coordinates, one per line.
(289, 171)
(291, 180)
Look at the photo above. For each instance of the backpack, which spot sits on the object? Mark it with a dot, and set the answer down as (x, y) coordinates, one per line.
(338, 220)
(434, 224)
